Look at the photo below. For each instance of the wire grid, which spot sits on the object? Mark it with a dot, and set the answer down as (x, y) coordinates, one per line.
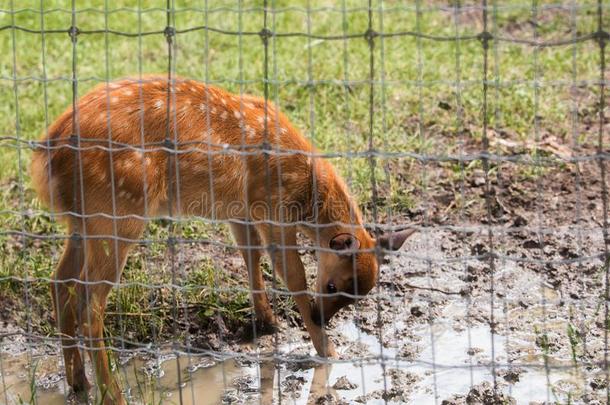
(377, 153)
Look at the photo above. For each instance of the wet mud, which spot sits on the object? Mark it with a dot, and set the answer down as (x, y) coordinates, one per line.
(498, 299)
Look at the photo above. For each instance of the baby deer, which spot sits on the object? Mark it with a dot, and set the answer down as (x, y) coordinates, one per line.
(144, 150)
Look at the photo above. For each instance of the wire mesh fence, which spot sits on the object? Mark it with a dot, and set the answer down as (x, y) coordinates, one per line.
(158, 238)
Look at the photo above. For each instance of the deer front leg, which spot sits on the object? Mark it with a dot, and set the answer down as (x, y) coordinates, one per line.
(249, 243)
(288, 265)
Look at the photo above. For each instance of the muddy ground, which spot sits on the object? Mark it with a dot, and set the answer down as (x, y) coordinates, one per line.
(498, 299)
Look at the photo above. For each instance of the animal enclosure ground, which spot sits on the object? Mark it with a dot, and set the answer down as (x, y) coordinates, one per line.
(433, 307)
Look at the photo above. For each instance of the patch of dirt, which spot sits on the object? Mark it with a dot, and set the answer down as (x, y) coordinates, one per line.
(343, 383)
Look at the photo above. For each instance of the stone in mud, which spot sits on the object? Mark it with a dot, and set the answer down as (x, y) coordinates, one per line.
(343, 383)
(245, 383)
(391, 395)
(355, 349)
(230, 397)
(409, 352)
(329, 399)
(402, 381)
(473, 350)
(511, 375)
(203, 363)
(301, 363)
(416, 311)
(598, 383)
(293, 384)
(402, 384)
(519, 221)
(153, 367)
(478, 249)
(481, 394)
(49, 381)
(532, 244)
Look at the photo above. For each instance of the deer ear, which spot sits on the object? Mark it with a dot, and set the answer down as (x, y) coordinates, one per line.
(344, 241)
(394, 240)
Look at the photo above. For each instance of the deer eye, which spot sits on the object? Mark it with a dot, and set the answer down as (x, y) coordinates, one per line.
(331, 288)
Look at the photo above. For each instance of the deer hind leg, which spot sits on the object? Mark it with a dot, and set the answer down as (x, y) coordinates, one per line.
(249, 243)
(63, 292)
(105, 259)
(288, 265)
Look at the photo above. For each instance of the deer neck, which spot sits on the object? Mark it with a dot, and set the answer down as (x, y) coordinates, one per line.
(333, 210)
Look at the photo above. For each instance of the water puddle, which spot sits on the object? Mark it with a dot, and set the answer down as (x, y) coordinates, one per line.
(456, 362)
(451, 361)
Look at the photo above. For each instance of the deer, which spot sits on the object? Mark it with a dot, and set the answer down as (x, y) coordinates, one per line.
(133, 149)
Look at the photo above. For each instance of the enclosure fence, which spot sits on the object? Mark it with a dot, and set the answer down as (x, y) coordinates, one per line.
(587, 368)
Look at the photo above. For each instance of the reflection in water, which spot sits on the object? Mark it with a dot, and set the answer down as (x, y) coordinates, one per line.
(271, 391)
(319, 383)
(155, 381)
(205, 381)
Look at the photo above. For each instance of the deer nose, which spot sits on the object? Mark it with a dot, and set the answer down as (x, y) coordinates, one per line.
(315, 315)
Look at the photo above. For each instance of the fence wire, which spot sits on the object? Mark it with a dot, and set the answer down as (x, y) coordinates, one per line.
(501, 296)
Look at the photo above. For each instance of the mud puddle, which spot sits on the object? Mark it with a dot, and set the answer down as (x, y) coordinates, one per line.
(458, 361)
(450, 364)
(415, 345)
(38, 378)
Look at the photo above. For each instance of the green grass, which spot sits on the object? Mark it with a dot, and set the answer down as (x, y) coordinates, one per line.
(429, 119)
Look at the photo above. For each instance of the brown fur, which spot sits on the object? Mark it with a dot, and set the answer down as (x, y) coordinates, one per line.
(219, 171)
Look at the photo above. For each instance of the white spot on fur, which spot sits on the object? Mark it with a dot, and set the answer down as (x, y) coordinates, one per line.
(114, 100)
(249, 105)
(260, 119)
(121, 181)
(224, 101)
(128, 92)
(213, 110)
(202, 107)
(125, 164)
(158, 104)
(283, 130)
(113, 86)
(237, 114)
(224, 115)
(208, 134)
